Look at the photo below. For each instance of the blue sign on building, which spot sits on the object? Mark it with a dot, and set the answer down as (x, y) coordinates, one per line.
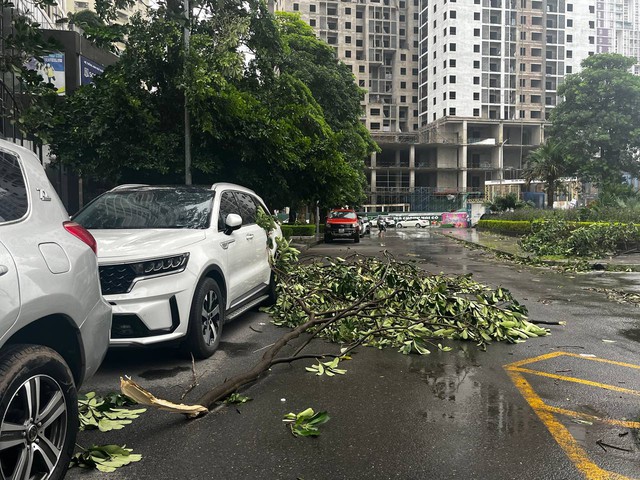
(88, 70)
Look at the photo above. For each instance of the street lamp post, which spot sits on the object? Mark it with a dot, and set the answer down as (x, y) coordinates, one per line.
(187, 121)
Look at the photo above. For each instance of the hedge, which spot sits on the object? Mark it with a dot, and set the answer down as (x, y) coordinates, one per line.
(523, 227)
(289, 231)
(506, 227)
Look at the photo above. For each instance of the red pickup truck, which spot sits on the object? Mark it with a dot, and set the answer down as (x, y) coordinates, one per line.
(342, 223)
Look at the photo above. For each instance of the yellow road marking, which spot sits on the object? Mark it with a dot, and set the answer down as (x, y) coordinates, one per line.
(546, 412)
(575, 380)
(560, 433)
(593, 418)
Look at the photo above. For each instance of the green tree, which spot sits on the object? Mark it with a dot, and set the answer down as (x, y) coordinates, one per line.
(548, 163)
(253, 120)
(598, 120)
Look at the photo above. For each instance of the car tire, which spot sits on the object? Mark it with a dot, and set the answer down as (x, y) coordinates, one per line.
(418, 225)
(28, 373)
(327, 238)
(206, 319)
(398, 225)
(356, 238)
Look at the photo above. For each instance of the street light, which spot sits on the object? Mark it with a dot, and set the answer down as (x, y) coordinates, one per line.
(187, 122)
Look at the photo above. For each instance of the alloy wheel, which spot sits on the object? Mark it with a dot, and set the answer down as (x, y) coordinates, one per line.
(210, 318)
(33, 430)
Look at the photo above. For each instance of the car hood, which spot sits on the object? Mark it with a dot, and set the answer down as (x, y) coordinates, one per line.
(145, 243)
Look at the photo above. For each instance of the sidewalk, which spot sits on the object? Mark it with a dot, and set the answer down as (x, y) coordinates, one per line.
(509, 246)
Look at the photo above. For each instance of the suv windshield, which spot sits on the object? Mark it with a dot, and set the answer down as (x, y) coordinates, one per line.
(148, 208)
(342, 214)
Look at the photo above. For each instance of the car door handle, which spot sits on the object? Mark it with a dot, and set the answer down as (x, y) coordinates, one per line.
(249, 236)
(226, 243)
(3, 269)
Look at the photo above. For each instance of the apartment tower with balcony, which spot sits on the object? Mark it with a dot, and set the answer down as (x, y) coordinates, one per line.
(459, 91)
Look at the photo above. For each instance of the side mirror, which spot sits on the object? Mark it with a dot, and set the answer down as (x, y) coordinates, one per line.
(232, 222)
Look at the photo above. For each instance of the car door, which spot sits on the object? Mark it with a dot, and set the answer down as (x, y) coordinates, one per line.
(253, 240)
(14, 206)
(229, 248)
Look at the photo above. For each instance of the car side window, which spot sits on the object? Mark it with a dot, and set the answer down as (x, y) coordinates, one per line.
(228, 205)
(247, 208)
(13, 191)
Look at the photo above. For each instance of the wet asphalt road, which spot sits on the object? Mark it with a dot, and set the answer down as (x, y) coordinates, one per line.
(456, 414)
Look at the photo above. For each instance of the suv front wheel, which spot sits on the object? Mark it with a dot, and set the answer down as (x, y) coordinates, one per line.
(206, 319)
(39, 413)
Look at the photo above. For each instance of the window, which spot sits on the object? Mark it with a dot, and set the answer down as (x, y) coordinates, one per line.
(453, 14)
(476, 16)
(536, 67)
(569, 38)
(374, 111)
(361, 68)
(535, 114)
(452, 95)
(476, 32)
(312, 22)
(403, 84)
(569, 69)
(347, 10)
(591, 40)
(312, 8)
(476, 64)
(569, 7)
(452, 111)
(452, 79)
(535, 99)
(476, 80)
(476, 48)
(375, 126)
(403, 57)
(569, 54)
(347, 53)
(296, 7)
(347, 25)
(403, 99)
(569, 22)
(452, 30)
(476, 95)
(452, 62)
(347, 39)
(247, 208)
(13, 192)
(452, 47)
(228, 204)
(403, 71)
(476, 112)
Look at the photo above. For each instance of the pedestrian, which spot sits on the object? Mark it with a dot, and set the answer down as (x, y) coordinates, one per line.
(382, 227)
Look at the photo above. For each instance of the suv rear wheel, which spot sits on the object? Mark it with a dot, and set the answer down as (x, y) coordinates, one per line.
(38, 412)
(206, 319)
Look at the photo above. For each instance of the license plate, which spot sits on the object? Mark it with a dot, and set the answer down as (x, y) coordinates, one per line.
(341, 230)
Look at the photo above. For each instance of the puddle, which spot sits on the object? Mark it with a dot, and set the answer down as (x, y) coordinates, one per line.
(163, 373)
(631, 334)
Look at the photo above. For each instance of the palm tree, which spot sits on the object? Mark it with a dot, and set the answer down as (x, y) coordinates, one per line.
(548, 163)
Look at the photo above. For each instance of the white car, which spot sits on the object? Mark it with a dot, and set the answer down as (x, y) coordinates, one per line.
(413, 222)
(177, 262)
(54, 323)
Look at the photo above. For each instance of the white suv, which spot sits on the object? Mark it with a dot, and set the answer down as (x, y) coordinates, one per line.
(177, 262)
(54, 324)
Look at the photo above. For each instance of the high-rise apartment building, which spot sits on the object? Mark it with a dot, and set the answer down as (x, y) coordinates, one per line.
(123, 14)
(459, 91)
(618, 28)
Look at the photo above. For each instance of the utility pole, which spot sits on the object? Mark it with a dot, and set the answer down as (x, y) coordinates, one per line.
(187, 122)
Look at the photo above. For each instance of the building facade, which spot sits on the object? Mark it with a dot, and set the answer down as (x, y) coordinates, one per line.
(459, 91)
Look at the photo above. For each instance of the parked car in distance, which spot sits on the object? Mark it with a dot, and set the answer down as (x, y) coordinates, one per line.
(177, 262)
(342, 223)
(413, 222)
(365, 225)
(54, 324)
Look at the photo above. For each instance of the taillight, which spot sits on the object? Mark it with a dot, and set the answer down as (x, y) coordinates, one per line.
(82, 233)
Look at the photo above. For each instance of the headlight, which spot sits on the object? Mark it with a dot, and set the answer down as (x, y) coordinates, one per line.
(160, 266)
